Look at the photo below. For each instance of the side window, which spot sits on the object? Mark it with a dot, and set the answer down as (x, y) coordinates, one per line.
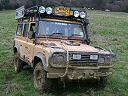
(19, 30)
(33, 29)
(25, 32)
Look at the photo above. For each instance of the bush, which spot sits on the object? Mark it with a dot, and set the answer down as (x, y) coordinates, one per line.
(1, 6)
(5, 4)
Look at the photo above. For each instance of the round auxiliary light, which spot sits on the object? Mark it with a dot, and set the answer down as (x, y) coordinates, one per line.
(42, 9)
(82, 14)
(76, 13)
(49, 10)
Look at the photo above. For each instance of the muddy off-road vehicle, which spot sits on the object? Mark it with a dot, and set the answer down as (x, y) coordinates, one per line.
(55, 43)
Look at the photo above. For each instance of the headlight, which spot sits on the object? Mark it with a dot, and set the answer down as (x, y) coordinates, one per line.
(42, 9)
(82, 14)
(93, 57)
(58, 59)
(49, 10)
(76, 13)
(108, 59)
(105, 59)
(101, 60)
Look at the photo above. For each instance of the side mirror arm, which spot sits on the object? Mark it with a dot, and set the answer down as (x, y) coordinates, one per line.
(87, 39)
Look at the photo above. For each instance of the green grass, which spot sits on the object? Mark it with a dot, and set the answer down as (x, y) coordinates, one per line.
(107, 29)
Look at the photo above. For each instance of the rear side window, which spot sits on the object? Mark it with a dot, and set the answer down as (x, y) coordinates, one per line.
(19, 30)
(25, 33)
(33, 27)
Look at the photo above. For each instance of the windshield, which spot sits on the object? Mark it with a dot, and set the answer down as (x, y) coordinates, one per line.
(51, 28)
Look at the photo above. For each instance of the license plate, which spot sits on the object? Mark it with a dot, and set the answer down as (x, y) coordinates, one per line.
(76, 56)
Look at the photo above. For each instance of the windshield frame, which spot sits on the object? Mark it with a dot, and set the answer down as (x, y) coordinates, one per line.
(63, 37)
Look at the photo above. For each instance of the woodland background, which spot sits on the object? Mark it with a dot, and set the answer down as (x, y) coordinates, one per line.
(113, 5)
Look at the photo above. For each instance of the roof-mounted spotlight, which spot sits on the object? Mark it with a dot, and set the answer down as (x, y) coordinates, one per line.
(49, 10)
(42, 9)
(76, 14)
(82, 14)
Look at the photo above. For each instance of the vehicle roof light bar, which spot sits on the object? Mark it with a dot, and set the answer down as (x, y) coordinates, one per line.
(49, 11)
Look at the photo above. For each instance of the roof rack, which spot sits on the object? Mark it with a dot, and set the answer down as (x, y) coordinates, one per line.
(58, 12)
(24, 13)
(20, 12)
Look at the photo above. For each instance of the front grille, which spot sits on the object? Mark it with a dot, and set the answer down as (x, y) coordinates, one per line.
(85, 60)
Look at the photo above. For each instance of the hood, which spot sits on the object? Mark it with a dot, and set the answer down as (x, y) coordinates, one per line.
(70, 46)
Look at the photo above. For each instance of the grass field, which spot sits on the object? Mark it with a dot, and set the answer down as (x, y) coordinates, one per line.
(108, 30)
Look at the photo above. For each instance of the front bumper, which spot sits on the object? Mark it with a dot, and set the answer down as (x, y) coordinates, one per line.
(80, 73)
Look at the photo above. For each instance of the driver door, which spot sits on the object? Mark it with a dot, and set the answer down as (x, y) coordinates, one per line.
(30, 42)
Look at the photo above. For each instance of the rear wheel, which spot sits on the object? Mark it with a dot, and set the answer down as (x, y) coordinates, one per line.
(18, 63)
(39, 77)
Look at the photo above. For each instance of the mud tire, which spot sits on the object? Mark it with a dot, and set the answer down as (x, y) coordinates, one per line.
(18, 63)
(41, 82)
(102, 82)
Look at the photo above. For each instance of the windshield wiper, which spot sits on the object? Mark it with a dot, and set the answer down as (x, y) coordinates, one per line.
(74, 36)
(53, 35)
(56, 34)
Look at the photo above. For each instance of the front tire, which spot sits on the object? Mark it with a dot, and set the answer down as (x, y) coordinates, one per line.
(39, 77)
(18, 63)
(102, 82)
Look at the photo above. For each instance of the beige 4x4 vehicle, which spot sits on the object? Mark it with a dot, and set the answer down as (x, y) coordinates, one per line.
(55, 43)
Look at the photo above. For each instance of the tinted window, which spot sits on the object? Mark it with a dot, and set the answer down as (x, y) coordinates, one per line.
(19, 29)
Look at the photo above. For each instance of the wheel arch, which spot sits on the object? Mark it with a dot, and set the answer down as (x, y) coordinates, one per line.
(15, 50)
(40, 57)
